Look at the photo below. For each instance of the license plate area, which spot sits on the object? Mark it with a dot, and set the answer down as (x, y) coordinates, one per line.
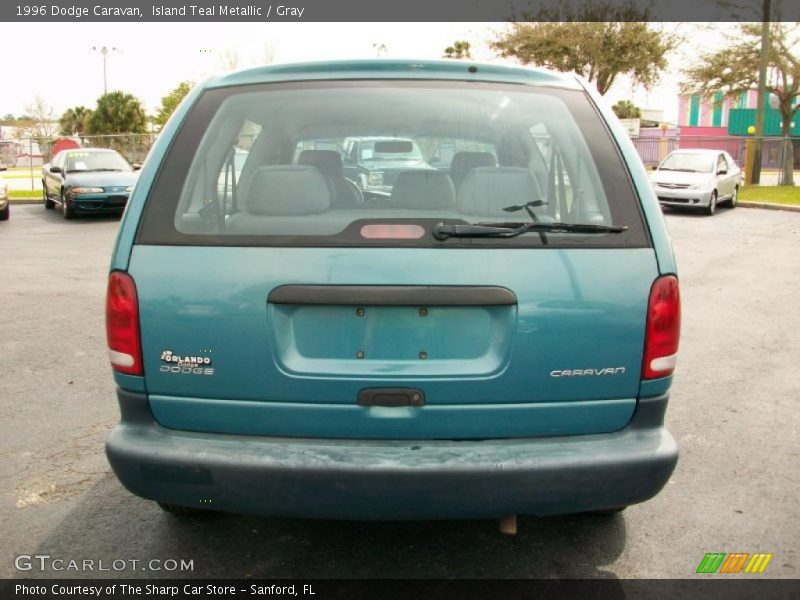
(117, 201)
(391, 341)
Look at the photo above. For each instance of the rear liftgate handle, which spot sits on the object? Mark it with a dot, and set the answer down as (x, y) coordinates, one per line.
(391, 397)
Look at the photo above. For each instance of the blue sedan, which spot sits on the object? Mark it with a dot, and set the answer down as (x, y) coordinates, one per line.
(88, 180)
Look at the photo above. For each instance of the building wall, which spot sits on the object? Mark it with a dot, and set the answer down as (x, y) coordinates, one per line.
(713, 111)
(742, 118)
(683, 109)
(704, 131)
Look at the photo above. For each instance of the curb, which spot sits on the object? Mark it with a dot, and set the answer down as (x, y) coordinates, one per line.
(769, 205)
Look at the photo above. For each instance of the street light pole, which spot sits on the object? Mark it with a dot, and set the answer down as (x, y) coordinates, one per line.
(104, 50)
(762, 90)
(105, 74)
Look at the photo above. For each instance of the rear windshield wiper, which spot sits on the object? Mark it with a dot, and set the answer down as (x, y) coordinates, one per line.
(441, 231)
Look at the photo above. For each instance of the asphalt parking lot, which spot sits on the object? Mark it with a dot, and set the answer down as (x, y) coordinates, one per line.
(734, 412)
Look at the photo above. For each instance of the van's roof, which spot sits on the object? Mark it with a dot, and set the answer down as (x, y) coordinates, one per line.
(396, 69)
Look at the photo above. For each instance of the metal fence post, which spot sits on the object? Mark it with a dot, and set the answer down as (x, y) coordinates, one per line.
(30, 160)
(749, 155)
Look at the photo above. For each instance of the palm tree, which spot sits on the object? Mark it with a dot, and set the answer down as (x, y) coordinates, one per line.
(117, 112)
(460, 49)
(625, 109)
(74, 120)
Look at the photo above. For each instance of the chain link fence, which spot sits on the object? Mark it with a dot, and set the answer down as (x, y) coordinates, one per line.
(25, 157)
(30, 154)
(653, 149)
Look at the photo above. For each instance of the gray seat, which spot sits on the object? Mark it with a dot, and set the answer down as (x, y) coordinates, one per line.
(486, 191)
(344, 193)
(288, 190)
(464, 162)
(423, 190)
(280, 198)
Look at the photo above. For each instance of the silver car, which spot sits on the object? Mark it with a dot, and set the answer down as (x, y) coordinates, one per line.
(697, 178)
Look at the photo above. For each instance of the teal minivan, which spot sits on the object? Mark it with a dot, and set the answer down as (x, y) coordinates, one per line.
(490, 337)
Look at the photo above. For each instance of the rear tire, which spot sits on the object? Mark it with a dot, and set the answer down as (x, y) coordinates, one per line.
(181, 511)
(735, 197)
(5, 213)
(712, 204)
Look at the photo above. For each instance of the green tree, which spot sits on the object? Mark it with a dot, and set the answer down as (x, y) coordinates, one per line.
(734, 70)
(625, 109)
(74, 121)
(459, 49)
(170, 102)
(117, 112)
(599, 41)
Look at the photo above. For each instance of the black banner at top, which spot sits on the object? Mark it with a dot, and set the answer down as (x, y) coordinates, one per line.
(33, 11)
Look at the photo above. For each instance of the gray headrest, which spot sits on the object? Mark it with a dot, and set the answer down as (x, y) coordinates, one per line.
(486, 191)
(284, 190)
(423, 189)
(463, 162)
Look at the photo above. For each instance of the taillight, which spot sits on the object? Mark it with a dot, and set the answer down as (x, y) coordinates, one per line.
(122, 324)
(663, 328)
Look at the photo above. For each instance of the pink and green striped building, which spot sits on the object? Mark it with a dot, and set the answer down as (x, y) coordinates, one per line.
(714, 111)
(717, 115)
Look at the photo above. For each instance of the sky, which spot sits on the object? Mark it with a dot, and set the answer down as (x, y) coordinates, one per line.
(57, 62)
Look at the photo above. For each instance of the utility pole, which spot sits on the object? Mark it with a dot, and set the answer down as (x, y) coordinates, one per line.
(762, 90)
(104, 51)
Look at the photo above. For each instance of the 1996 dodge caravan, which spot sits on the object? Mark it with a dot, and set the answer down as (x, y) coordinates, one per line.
(493, 334)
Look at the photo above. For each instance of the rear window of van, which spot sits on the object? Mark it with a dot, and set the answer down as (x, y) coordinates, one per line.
(344, 163)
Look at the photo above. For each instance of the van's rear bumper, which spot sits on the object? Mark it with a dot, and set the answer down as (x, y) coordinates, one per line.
(373, 479)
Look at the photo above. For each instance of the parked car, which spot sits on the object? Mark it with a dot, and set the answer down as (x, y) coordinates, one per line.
(5, 210)
(374, 163)
(87, 180)
(697, 178)
(506, 349)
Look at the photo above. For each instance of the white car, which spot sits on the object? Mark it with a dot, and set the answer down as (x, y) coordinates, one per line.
(697, 178)
(4, 210)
